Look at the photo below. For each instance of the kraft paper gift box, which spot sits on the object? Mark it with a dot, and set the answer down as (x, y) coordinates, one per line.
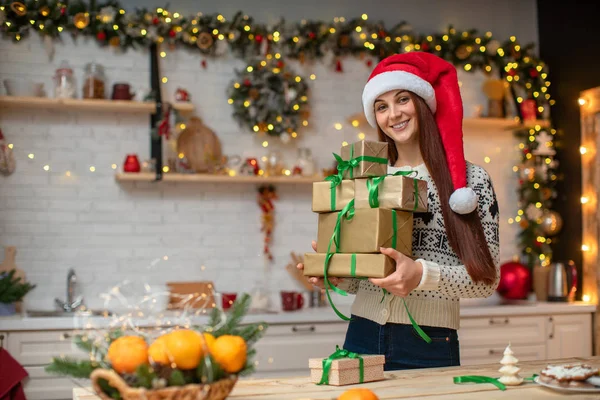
(326, 199)
(367, 231)
(396, 192)
(342, 265)
(346, 371)
(365, 168)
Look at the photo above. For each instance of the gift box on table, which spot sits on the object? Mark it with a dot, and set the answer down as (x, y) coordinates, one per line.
(367, 231)
(329, 196)
(344, 265)
(347, 371)
(394, 192)
(371, 156)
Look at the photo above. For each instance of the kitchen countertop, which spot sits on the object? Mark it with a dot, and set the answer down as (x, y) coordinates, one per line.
(432, 383)
(309, 315)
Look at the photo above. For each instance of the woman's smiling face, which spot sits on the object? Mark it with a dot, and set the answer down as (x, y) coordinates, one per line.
(396, 116)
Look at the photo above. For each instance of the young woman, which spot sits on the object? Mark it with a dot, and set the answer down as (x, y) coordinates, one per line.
(413, 100)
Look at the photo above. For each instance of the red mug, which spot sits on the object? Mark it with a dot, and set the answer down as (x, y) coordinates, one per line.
(291, 301)
(227, 300)
(131, 164)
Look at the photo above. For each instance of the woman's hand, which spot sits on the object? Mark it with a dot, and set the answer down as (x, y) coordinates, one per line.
(319, 281)
(406, 277)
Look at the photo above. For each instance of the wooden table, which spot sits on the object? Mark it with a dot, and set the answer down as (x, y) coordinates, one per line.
(434, 383)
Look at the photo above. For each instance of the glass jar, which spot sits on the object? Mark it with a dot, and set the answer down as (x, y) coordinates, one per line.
(305, 162)
(94, 81)
(64, 82)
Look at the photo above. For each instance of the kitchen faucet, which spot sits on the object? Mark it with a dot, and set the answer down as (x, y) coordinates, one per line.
(71, 304)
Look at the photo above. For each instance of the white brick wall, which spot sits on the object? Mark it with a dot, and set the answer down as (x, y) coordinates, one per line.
(109, 232)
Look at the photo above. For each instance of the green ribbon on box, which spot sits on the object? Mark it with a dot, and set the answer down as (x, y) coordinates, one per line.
(337, 355)
(374, 183)
(335, 180)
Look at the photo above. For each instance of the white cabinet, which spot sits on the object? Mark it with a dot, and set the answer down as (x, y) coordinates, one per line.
(534, 337)
(285, 349)
(569, 335)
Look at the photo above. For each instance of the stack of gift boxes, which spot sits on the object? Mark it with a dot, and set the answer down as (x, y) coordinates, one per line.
(378, 212)
(360, 210)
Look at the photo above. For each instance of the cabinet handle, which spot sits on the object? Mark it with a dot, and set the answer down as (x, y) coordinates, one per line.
(495, 352)
(65, 336)
(1, 341)
(551, 335)
(303, 328)
(495, 322)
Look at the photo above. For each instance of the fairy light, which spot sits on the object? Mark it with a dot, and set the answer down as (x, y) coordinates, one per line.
(585, 247)
(46, 167)
(114, 166)
(338, 126)
(165, 79)
(344, 144)
(68, 173)
(265, 144)
(581, 101)
(163, 54)
(361, 136)
(166, 169)
(511, 221)
(364, 17)
(486, 160)
(586, 298)
(31, 156)
(584, 199)
(582, 150)
(313, 77)
(92, 169)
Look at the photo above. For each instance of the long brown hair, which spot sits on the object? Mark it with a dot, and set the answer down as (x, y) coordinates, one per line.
(465, 232)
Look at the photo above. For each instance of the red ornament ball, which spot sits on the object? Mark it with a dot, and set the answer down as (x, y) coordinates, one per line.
(258, 38)
(155, 21)
(101, 36)
(515, 281)
(172, 33)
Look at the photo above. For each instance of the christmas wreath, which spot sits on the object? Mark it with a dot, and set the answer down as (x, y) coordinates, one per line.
(269, 98)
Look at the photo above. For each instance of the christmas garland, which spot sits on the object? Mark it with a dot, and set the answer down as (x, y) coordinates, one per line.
(213, 35)
(267, 97)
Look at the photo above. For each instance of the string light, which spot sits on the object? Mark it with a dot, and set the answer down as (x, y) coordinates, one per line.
(581, 101)
(338, 126)
(584, 199)
(585, 247)
(586, 298)
(582, 150)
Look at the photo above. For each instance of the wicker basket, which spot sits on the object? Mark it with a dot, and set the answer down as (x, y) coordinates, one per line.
(215, 391)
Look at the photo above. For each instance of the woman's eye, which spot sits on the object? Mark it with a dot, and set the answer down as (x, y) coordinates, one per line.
(380, 108)
(403, 100)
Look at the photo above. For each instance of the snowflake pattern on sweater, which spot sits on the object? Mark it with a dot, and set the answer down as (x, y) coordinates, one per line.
(430, 241)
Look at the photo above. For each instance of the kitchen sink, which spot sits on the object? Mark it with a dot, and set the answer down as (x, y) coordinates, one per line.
(61, 313)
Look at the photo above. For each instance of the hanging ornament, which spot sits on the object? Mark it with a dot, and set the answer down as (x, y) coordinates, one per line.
(344, 41)
(81, 20)
(203, 64)
(463, 52)
(115, 41)
(533, 213)
(266, 197)
(45, 11)
(155, 21)
(533, 73)
(18, 8)
(551, 223)
(285, 137)
(172, 33)
(253, 94)
(205, 41)
(101, 36)
(7, 158)
(369, 63)
(107, 15)
(545, 147)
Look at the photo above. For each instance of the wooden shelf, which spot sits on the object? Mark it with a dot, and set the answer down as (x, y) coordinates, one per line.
(101, 105)
(208, 178)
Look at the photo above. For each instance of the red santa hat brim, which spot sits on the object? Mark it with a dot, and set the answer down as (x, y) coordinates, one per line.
(395, 80)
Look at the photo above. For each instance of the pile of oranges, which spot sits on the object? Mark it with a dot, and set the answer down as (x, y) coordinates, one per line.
(183, 349)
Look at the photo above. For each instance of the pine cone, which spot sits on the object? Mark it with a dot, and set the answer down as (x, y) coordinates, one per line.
(162, 371)
(130, 379)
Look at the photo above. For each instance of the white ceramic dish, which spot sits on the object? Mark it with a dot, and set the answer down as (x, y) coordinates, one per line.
(25, 88)
(566, 389)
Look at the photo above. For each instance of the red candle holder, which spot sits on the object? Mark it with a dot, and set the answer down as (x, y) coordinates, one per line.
(131, 164)
(227, 300)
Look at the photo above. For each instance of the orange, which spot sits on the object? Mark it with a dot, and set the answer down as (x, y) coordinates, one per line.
(127, 353)
(184, 348)
(157, 352)
(230, 352)
(358, 394)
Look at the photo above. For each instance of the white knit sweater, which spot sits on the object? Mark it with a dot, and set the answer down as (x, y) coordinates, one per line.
(435, 302)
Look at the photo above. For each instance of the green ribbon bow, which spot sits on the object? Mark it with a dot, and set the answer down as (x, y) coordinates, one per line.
(353, 162)
(339, 354)
(335, 180)
(374, 183)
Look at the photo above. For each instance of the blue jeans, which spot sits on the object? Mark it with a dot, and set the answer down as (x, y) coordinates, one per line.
(401, 344)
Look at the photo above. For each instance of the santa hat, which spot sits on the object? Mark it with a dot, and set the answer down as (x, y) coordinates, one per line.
(434, 80)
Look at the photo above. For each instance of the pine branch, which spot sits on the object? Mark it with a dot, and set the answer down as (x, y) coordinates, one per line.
(71, 367)
(253, 332)
(239, 310)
